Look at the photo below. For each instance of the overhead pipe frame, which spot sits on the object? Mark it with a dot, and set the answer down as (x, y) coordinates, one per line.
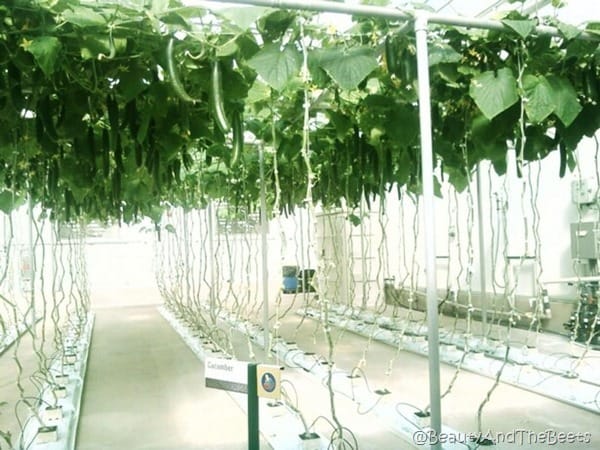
(422, 20)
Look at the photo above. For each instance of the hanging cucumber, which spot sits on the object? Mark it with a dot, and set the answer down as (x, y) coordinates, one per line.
(217, 98)
(14, 86)
(91, 146)
(131, 115)
(591, 83)
(39, 131)
(150, 144)
(45, 113)
(175, 82)
(187, 160)
(119, 154)
(112, 107)
(139, 154)
(116, 187)
(391, 59)
(68, 205)
(105, 152)
(156, 170)
(238, 137)
(53, 175)
(563, 159)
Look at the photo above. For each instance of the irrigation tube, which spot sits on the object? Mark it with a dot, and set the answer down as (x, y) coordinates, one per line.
(429, 219)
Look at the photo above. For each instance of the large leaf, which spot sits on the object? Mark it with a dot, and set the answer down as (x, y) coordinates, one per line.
(568, 31)
(565, 98)
(134, 81)
(522, 27)
(442, 53)
(349, 68)
(494, 92)
(84, 17)
(9, 202)
(45, 50)
(243, 17)
(277, 67)
(540, 100)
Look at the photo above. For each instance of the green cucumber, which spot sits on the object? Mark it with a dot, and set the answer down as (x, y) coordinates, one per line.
(238, 137)
(217, 98)
(175, 82)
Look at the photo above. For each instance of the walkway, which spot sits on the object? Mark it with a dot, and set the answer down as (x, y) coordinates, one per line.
(144, 390)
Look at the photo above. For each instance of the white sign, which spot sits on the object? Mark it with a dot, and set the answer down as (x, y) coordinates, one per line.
(226, 374)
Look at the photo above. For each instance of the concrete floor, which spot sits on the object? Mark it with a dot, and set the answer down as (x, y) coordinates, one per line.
(144, 390)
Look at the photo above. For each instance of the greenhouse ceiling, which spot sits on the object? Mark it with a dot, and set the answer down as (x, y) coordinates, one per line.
(116, 110)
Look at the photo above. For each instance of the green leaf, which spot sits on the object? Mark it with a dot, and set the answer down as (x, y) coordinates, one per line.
(568, 31)
(159, 6)
(593, 27)
(258, 92)
(243, 17)
(170, 228)
(354, 219)
(565, 98)
(134, 81)
(351, 67)
(457, 178)
(9, 201)
(229, 48)
(402, 124)
(277, 67)
(522, 27)
(494, 92)
(45, 50)
(440, 53)
(172, 18)
(341, 122)
(84, 17)
(540, 102)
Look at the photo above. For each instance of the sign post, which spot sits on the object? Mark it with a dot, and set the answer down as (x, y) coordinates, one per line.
(255, 380)
(253, 423)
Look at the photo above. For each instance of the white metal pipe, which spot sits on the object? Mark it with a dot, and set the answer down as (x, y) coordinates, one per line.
(265, 250)
(421, 31)
(394, 13)
(573, 280)
(32, 264)
(482, 275)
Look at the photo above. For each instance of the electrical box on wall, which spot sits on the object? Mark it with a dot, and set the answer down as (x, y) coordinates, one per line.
(584, 240)
(583, 191)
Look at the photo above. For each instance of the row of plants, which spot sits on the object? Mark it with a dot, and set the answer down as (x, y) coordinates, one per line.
(113, 110)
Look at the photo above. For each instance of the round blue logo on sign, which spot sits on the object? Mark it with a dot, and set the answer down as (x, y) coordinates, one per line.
(268, 382)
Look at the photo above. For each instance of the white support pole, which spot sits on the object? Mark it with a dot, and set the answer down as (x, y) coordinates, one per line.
(482, 281)
(421, 31)
(32, 264)
(265, 250)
